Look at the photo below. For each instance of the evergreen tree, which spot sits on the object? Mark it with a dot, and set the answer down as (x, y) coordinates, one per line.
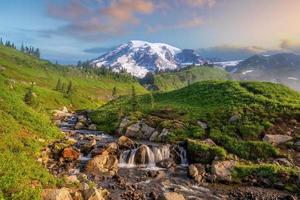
(114, 93)
(152, 100)
(1, 41)
(58, 85)
(134, 103)
(70, 88)
(37, 53)
(29, 98)
(63, 86)
(22, 48)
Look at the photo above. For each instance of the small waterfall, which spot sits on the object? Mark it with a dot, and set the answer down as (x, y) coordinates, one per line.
(144, 155)
(183, 156)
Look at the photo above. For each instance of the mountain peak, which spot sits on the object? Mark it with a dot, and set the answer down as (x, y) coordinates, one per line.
(140, 57)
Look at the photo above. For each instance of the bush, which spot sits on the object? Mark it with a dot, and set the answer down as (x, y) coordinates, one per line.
(106, 120)
(250, 131)
(201, 152)
(251, 150)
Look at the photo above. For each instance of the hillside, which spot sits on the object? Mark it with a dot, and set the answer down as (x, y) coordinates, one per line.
(175, 80)
(281, 68)
(25, 129)
(236, 116)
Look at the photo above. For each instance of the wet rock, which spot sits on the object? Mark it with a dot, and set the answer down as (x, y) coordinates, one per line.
(56, 194)
(104, 164)
(167, 163)
(95, 194)
(277, 139)
(171, 196)
(79, 125)
(70, 154)
(126, 143)
(141, 156)
(87, 147)
(146, 130)
(112, 148)
(92, 127)
(197, 172)
(133, 130)
(222, 170)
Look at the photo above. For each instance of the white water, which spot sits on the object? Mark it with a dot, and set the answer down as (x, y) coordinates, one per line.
(154, 154)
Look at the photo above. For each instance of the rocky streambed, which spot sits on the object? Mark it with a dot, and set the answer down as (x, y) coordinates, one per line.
(97, 166)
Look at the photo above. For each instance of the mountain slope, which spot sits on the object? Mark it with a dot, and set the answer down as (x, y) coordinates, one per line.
(140, 57)
(25, 129)
(175, 80)
(281, 68)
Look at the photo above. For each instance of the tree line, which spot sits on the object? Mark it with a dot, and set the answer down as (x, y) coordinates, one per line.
(30, 50)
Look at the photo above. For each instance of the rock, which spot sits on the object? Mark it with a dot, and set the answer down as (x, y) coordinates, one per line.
(103, 164)
(56, 194)
(209, 141)
(95, 194)
(167, 163)
(92, 127)
(163, 136)
(277, 139)
(297, 145)
(234, 118)
(82, 119)
(284, 162)
(171, 196)
(126, 143)
(72, 179)
(141, 156)
(112, 148)
(133, 130)
(154, 136)
(87, 147)
(79, 125)
(222, 170)
(197, 172)
(70, 154)
(202, 124)
(146, 130)
(124, 122)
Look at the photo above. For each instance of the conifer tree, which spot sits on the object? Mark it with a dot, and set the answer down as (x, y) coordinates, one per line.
(63, 86)
(29, 98)
(114, 93)
(58, 85)
(134, 103)
(70, 88)
(1, 41)
(152, 100)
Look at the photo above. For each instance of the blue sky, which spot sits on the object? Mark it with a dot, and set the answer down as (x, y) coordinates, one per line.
(69, 30)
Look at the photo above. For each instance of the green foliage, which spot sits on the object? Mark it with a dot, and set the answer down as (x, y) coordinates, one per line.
(134, 102)
(29, 98)
(58, 86)
(114, 93)
(201, 152)
(250, 150)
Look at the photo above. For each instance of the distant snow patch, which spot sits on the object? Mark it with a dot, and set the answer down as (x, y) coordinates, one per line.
(246, 72)
(293, 78)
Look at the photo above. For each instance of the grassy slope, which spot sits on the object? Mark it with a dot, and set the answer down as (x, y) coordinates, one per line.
(25, 130)
(175, 80)
(256, 106)
(90, 90)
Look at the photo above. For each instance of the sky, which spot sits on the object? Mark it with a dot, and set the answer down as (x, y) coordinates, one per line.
(70, 30)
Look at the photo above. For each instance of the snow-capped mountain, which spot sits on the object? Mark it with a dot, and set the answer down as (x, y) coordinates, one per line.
(140, 57)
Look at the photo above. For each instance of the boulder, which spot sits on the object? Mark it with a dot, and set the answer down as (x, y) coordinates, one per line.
(124, 122)
(202, 124)
(56, 194)
(70, 154)
(197, 172)
(112, 148)
(163, 136)
(79, 125)
(277, 139)
(133, 130)
(126, 143)
(87, 147)
(92, 127)
(297, 145)
(95, 194)
(71, 179)
(167, 163)
(171, 196)
(141, 156)
(146, 130)
(222, 170)
(104, 164)
(154, 136)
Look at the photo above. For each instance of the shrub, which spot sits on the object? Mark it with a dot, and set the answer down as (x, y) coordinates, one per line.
(201, 152)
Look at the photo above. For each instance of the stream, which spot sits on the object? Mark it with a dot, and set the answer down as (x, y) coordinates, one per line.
(144, 171)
